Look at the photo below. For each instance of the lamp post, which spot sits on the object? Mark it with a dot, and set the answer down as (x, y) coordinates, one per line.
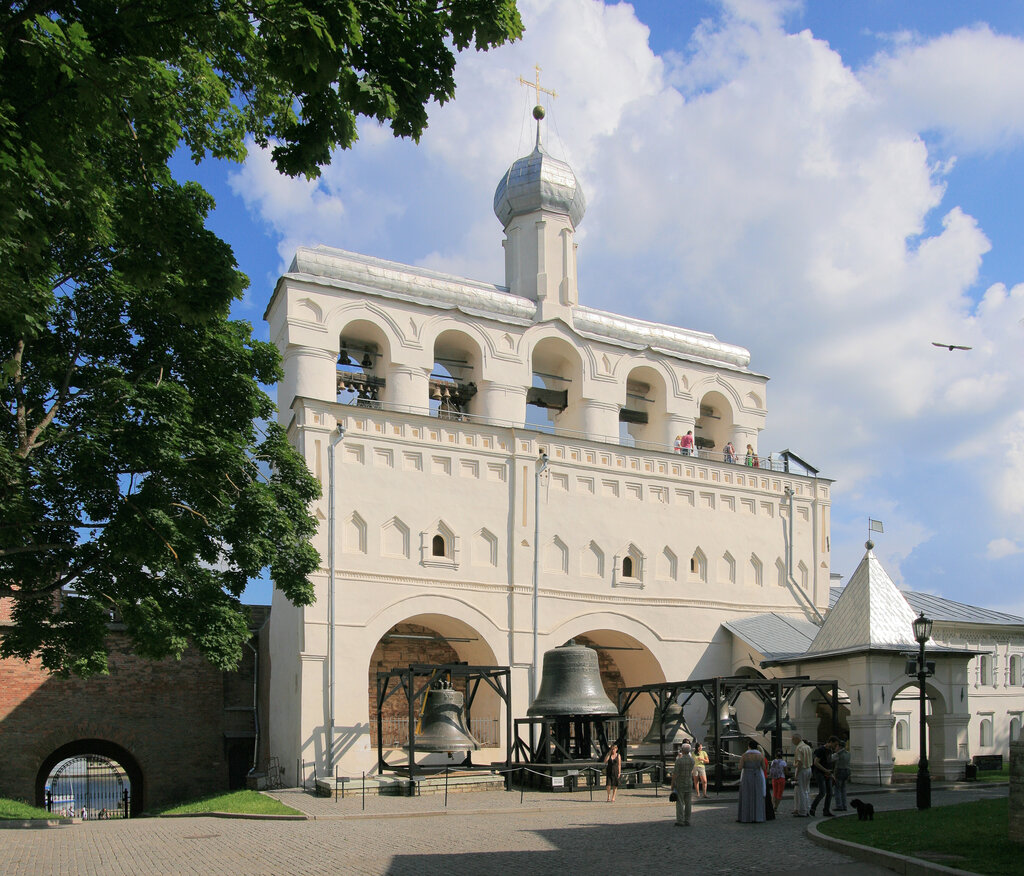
(923, 632)
(336, 437)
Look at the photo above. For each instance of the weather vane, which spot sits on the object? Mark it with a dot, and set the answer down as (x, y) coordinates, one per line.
(538, 110)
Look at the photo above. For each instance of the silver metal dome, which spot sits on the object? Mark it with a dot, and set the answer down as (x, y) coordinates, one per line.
(539, 182)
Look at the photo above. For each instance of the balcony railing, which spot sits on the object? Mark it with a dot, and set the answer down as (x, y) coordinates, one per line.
(777, 462)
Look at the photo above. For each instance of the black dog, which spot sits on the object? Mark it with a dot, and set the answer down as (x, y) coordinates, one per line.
(865, 811)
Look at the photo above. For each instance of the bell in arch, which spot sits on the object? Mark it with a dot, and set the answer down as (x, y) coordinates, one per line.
(443, 723)
(674, 723)
(571, 684)
(767, 722)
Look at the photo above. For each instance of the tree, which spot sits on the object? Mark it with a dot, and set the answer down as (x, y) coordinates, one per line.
(135, 479)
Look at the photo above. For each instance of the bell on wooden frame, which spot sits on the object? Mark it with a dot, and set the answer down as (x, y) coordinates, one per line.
(443, 722)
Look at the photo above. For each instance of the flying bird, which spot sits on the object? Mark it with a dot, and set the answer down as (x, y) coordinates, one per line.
(951, 347)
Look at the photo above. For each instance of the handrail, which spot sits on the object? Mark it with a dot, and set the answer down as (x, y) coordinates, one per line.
(763, 462)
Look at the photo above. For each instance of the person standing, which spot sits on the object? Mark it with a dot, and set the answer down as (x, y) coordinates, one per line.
(682, 784)
(700, 773)
(842, 769)
(803, 758)
(823, 774)
(613, 771)
(752, 786)
(730, 452)
(777, 774)
(687, 444)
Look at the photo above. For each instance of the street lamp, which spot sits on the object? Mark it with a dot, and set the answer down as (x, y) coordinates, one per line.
(923, 632)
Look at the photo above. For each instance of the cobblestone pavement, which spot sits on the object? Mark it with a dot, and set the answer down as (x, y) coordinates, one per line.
(484, 832)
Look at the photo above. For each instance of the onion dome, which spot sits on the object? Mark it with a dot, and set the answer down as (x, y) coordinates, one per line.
(539, 182)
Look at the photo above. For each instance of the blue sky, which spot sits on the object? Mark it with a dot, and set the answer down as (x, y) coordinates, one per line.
(832, 185)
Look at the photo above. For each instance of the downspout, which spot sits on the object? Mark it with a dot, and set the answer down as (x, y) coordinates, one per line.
(789, 563)
(255, 705)
(542, 464)
(336, 436)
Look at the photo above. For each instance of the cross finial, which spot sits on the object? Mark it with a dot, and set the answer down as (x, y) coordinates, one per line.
(535, 85)
(538, 110)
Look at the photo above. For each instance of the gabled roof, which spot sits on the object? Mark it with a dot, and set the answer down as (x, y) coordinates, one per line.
(774, 635)
(941, 609)
(870, 613)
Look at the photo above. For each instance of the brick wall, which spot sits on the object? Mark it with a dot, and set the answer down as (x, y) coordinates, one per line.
(170, 716)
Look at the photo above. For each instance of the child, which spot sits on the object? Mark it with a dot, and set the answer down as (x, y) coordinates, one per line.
(777, 773)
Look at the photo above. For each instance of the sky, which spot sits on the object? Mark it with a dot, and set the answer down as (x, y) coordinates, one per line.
(832, 185)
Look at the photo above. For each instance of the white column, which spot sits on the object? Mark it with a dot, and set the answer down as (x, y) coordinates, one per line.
(871, 748)
(948, 745)
(407, 388)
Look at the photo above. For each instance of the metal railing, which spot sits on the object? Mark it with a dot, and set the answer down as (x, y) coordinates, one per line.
(766, 462)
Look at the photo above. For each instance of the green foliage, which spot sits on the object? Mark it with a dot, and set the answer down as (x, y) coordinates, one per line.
(239, 802)
(968, 836)
(132, 469)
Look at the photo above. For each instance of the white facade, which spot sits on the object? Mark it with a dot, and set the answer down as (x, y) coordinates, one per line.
(642, 550)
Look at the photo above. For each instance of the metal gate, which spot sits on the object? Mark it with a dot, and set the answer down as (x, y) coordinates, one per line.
(89, 786)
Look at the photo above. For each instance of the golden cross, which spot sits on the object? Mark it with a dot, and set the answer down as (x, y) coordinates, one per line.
(535, 85)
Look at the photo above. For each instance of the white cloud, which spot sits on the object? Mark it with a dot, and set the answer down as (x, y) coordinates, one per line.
(754, 186)
(1003, 547)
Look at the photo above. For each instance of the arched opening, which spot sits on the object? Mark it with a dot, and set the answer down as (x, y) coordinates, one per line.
(642, 416)
(437, 546)
(91, 774)
(556, 386)
(906, 739)
(363, 360)
(455, 375)
(432, 639)
(713, 429)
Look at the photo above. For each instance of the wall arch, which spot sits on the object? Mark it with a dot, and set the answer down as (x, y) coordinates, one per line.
(103, 748)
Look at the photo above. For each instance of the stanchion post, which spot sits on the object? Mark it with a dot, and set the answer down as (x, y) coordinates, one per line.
(364, 790)
(446, 786)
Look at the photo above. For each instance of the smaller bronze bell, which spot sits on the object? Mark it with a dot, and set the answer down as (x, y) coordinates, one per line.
(674, 723)
(443, 723)
(767, 722)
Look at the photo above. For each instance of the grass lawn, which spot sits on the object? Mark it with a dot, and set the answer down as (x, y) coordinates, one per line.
(1002, 775)
(242, 802)
(968, 836)
(12, 809)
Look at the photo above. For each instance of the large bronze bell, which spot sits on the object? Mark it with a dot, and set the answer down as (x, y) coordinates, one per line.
(571, 684)
(674, 723)
(767, 722)
(443, 723)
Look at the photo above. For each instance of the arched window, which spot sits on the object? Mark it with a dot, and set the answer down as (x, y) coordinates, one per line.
(985, 669)
(1015, 670)
(985, 733)
(1015, 728)
(627, 567)
(902, 735)
(438, 548)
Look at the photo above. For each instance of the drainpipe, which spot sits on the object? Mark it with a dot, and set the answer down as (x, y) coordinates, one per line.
(789, 562)
(542, 465)
(336, 437)
(255, 705)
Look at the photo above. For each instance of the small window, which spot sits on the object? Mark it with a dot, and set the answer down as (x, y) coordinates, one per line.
(902, 735)
(693, 565)
(438, 548)
(985, 734)
(985, 669)
(1015, 728)
(627, 567)
(1015, 670)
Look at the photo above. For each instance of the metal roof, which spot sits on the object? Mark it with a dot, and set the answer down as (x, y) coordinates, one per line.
(942, 609)
(869, 613)
(774, 635)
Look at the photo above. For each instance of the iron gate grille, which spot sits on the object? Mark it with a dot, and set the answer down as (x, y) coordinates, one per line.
(89, 786)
